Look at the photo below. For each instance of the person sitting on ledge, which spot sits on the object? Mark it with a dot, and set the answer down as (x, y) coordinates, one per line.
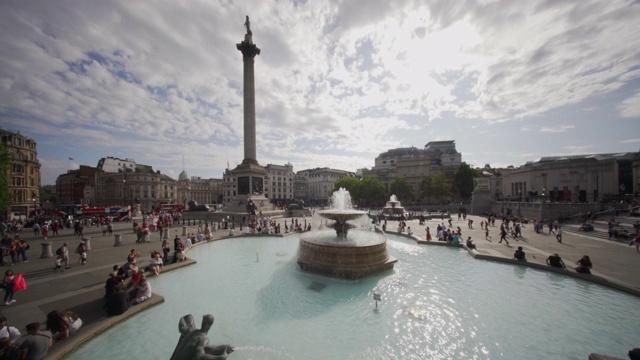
(584, 265)
(63, 324)
(156, 263)
(470, 244)
(455, 239)
(142, 292)
(118, 302)
(555, 261)
(519, 254)
(621, 233)
(586, 227)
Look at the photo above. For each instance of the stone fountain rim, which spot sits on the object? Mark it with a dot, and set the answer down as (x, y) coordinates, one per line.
(342, 212)
(342, 245)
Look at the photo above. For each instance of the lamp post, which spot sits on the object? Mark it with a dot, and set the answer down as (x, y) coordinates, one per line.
(124, 192)
(35, 209)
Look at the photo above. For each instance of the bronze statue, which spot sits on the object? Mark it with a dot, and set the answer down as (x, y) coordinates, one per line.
(247, 24)
(194, 343)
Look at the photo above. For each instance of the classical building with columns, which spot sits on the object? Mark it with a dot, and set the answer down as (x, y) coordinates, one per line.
(320, 183)
(572, 178)
(129, 184)
(202, 191)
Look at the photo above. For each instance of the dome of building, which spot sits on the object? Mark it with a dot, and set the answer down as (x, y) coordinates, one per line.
(183, 176)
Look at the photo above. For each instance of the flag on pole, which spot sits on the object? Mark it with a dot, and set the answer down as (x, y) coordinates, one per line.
(71, 158)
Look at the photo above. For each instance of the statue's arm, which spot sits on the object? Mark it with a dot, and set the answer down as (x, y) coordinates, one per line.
(186, 324)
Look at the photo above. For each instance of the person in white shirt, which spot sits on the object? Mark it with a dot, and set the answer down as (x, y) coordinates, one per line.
(8, 331)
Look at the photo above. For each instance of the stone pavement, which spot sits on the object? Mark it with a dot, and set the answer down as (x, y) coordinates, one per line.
(615, 263)
(81, 288)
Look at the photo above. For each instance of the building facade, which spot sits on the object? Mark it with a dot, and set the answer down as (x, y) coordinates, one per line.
(571, 178)
(279, 183)
(320, 183)
(77, 186)
(132, 184)
(23, 174)
(415, 164)
(202, 191)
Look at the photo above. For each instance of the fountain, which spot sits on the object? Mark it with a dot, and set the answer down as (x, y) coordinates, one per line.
(430, 308)
(343, 243)
(393, 207)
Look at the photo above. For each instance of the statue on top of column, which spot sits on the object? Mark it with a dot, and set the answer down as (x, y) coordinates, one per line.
(248, 36)
(247, 24)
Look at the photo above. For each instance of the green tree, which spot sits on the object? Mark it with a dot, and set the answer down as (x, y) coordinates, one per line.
(401, 188)
(436, 187)
(463, 180)
(372, 191)
(5, 195)
(351, 184)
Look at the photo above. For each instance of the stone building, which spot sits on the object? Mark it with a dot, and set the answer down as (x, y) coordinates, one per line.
(571, 178)
(300, 186)
(320, 183)
(202, 191)
(414, 164)
(23, 174)
(125, 183)
(279, 183)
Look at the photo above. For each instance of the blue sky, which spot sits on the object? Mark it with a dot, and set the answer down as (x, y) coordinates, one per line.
(337, 82)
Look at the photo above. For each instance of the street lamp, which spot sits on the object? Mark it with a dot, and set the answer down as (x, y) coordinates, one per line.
(124, 193)
(35, 209)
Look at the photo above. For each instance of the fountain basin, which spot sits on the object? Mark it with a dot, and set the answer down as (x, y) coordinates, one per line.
(344, 260)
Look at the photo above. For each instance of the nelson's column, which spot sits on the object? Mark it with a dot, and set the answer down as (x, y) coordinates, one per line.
(249, 175)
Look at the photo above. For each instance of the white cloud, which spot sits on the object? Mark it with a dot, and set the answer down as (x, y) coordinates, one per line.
(348, 80)
(630, 107)
(557, 129)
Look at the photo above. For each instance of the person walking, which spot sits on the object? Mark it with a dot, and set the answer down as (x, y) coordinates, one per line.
(65, 254)
(8, 283)
(503, 236)
(81, 250)
(559, 234)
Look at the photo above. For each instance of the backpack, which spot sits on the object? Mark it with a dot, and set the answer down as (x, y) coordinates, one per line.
(59, 251)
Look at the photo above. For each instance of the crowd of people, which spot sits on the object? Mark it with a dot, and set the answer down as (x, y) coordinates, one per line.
(35, 344)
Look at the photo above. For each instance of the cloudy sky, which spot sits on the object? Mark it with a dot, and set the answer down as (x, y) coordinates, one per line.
(337, 82)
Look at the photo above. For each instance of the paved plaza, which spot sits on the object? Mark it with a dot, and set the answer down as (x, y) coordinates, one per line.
(81, 288)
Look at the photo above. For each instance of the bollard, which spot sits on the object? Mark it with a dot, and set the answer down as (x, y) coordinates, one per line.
(214, 226)
(118, 240)
(87, 242)
(231, 232)
(46, 250)
(165, 234)
(184, 231)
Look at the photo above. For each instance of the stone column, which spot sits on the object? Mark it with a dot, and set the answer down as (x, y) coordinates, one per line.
(46, 250)
(165, 234)
(118, 238)
(184, 231)
(249, 51)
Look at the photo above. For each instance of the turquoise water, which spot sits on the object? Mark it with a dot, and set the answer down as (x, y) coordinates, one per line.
(437, 303)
